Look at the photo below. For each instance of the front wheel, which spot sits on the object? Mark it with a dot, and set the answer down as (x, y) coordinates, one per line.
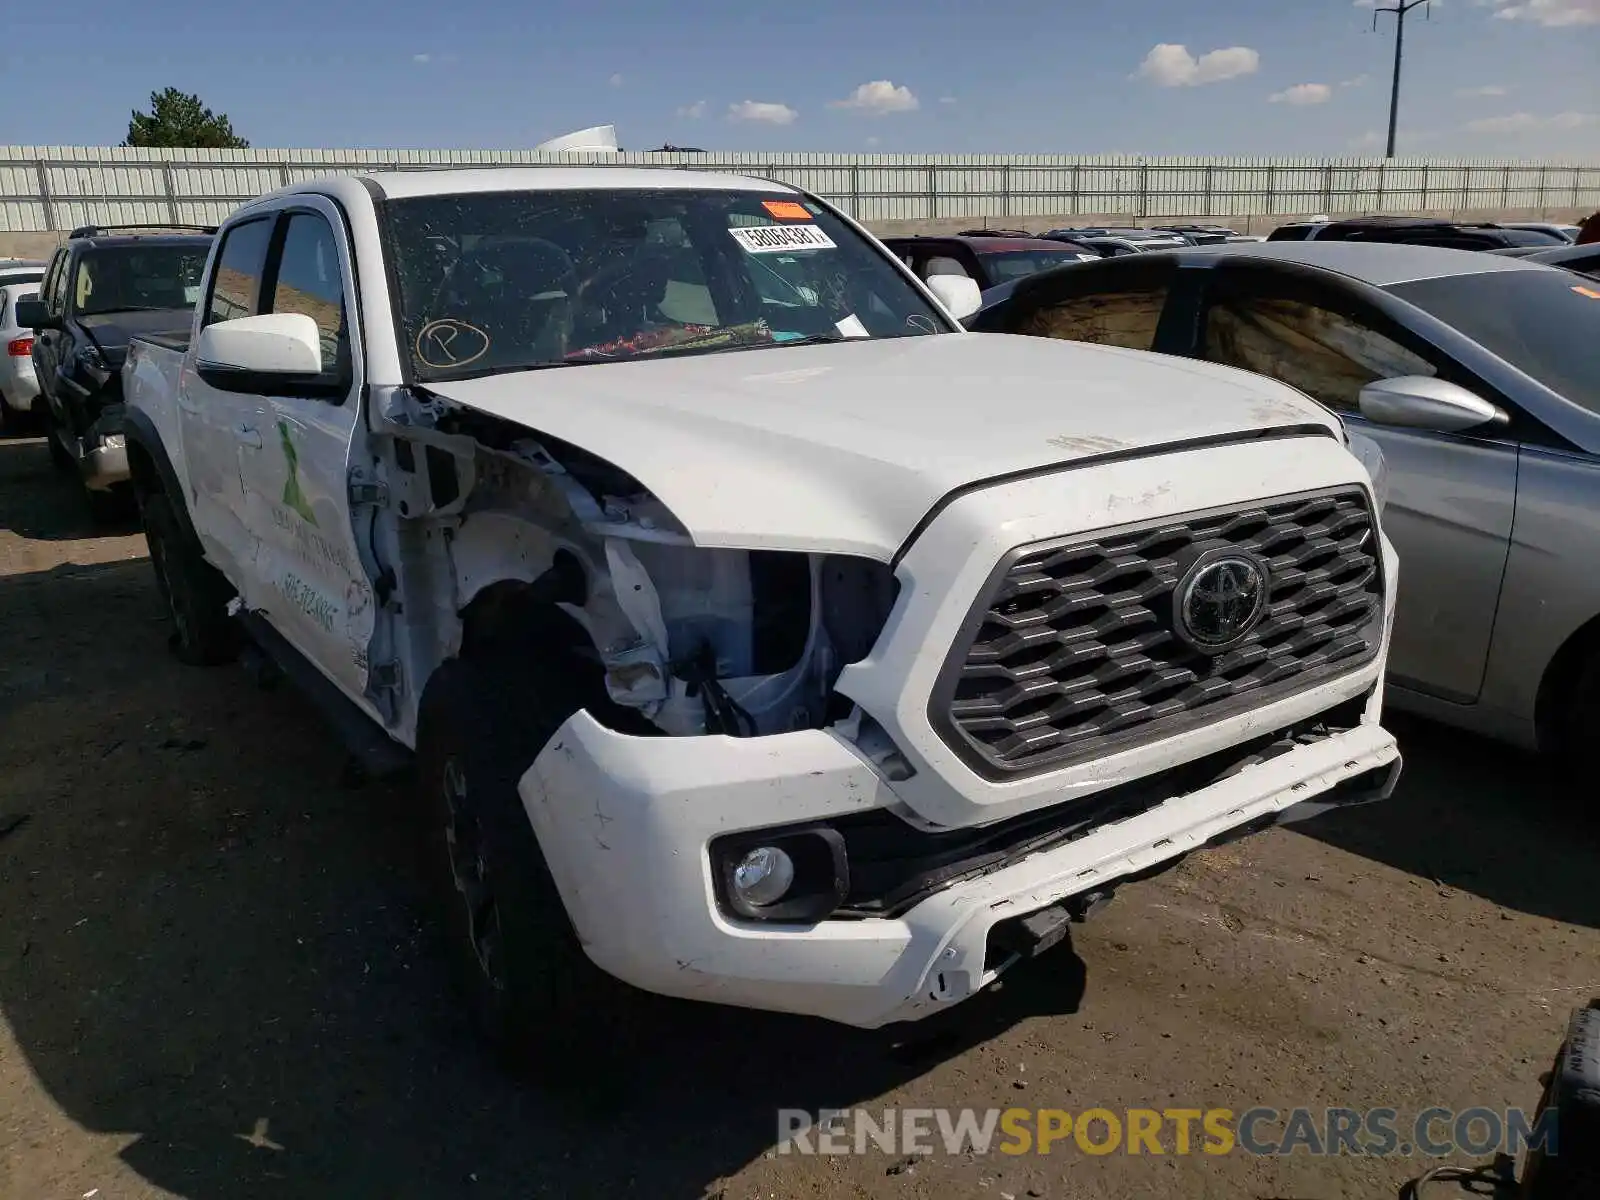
(1576, 750)
(60, 457)
(530, 988)
(196, 593)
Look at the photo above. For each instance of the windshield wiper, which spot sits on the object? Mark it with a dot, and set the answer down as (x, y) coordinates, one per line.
(810, 339)
(813, 339)
(511, 369)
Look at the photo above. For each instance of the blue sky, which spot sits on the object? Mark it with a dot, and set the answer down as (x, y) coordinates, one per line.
(1489, 77)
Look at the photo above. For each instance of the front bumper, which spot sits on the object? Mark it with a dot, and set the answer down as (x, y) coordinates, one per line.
(625, 824)
(105, 463)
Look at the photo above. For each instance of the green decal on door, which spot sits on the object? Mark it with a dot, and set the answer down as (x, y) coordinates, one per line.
(293, 497)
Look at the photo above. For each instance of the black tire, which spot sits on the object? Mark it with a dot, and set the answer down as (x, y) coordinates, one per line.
(1579, 736)
(196, 593)
(530, 989)
(60, 459)
(1576, 728)
(110, 506)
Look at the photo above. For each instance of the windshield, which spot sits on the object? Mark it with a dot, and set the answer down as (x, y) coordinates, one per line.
(113, 279)
(1545, 323)
(1004, 265)
(509, 281)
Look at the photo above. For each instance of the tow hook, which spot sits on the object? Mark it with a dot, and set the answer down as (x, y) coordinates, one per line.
(1031, 935)
(1087, 904)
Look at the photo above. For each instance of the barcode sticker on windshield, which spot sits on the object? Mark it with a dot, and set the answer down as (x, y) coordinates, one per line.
(775, 239)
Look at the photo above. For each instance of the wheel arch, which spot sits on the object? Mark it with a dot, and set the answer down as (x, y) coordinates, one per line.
(1560, 677)
(152, 470)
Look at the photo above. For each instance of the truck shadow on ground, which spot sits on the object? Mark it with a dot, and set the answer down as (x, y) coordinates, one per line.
(212, 947)
(39, 502)
(1481, 817)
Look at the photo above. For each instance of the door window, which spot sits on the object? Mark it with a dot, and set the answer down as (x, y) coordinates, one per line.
(236, 286)
(1327, 355)
(308, 280)
(57, 295)
(1126, 318)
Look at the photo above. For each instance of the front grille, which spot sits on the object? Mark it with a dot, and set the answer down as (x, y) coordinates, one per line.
(1072, 653)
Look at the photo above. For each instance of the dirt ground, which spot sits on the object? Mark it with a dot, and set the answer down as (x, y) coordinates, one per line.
(218, 978)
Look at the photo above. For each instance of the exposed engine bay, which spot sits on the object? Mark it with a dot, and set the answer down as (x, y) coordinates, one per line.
(697, 640)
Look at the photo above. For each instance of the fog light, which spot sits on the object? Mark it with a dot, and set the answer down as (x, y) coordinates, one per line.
(763, 876)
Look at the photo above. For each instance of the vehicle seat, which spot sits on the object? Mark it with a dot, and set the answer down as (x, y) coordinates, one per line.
(620, 301)
(943, 266)
(520, 294)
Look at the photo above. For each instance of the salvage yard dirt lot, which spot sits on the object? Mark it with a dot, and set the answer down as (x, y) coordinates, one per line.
(218, 977)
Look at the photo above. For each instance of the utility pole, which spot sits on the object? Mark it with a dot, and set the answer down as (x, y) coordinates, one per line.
(1400, 8)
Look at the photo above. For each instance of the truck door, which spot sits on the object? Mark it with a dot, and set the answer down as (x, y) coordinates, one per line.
(315, 591)
(221, 431)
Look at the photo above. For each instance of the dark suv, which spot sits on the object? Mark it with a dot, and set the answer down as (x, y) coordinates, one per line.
(1424, 231)
(104, 285)
(991, 259)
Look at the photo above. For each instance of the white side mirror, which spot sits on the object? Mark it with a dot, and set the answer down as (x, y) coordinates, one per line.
(1423, 402)
(958, 293)
(271, 344)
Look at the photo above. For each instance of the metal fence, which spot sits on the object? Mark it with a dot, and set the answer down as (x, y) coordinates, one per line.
(43, 189)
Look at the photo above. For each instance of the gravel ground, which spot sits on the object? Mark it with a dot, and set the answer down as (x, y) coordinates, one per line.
(218, 978)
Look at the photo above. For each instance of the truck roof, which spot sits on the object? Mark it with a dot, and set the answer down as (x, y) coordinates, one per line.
(448, 181)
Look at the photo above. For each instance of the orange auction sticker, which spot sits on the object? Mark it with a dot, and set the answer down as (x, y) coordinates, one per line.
(786, 210)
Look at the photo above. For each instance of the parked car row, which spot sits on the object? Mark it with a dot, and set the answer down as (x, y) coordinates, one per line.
(989, 258)
(1428, 231)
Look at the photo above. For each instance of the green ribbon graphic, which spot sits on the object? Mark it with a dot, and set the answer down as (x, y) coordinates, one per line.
(293, 498)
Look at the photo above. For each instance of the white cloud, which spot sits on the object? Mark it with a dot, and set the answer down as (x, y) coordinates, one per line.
(1550, 12)
(872, 141)
(878, 98)
(947, 99)
(1357, 81)
(1370, 140)
(762, 111)
(1171, 65)
(422, 58)
(616, 80)
(1302, 94)
(693, 111)
(1488, 89)
(1523, 122)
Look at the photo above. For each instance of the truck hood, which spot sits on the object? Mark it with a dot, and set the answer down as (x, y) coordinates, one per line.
(844, 448)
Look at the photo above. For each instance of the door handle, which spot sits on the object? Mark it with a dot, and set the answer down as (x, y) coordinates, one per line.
(248, 435)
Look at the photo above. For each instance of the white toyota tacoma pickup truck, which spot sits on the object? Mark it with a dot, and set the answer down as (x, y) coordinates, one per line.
(756, 634)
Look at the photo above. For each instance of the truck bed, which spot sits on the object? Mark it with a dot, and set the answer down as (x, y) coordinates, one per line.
(173, 339)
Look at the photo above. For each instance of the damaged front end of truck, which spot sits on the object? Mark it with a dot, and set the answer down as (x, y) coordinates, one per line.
(479, 521)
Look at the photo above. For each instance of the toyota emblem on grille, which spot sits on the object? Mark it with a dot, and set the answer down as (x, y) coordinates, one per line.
(1221, 598)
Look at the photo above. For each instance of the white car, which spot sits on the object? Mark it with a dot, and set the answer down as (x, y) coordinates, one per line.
(762, 636)
(19, 386)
